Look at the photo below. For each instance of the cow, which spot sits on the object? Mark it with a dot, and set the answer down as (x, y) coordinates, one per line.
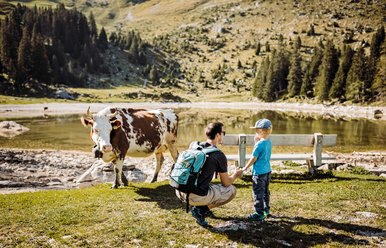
(117, 132)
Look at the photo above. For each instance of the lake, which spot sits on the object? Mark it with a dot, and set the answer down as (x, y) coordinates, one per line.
(67, 133)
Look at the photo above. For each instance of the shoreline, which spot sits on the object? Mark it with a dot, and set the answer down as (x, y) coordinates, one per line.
(338, 111)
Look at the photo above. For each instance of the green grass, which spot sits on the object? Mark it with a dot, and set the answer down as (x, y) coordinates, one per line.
(323, 211)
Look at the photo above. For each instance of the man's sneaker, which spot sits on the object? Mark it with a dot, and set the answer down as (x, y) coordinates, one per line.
(257, 217)
(208, 212)
(200, 218)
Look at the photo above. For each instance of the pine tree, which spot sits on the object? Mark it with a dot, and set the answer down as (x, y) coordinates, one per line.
(93, 27)
(376, 42)
(261, 79)
(295, 75)
(311, 72)
(338, 86)
(258, 49)
(328, 69)
(153, 75)
(378, 86)
(39, 60)
(24, 58)
(102, 40)
(267, 47)
(356, 77)
(298, 43)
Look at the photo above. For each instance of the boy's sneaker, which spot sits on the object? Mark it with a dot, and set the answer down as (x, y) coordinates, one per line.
(257, 217)
(267, 213)
(200, 218)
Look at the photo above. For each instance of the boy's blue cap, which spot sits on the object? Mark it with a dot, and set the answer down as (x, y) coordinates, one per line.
(263, 124)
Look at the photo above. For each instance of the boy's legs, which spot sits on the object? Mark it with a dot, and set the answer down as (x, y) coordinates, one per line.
(267, 194)
(258, 187)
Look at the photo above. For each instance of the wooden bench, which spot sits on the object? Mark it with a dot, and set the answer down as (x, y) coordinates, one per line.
(314, 159)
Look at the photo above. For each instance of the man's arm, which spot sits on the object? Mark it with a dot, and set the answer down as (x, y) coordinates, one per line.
(227, 180)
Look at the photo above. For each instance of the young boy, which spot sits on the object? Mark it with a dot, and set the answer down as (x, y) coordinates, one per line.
(261, 170)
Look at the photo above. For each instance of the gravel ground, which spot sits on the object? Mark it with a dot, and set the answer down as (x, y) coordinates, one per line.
(32, 170)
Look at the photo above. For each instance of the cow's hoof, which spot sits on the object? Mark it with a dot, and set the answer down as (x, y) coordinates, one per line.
(114, 186)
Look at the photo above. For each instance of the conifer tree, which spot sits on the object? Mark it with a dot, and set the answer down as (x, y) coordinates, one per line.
(267, 47)
(39, 61)
(295, 75)
(378, 86)
(328, 69)
(153, 75)
(298, 42)
(93, 27)
(24, 58)
(261, 79)
(258, 49)
(376, 42)
(102, 40)
(356, 85)
(311, 72)
(338, 86)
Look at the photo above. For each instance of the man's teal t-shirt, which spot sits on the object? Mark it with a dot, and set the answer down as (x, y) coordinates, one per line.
(262, 151)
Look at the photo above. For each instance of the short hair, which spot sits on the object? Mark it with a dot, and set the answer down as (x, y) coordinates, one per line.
(212, 129)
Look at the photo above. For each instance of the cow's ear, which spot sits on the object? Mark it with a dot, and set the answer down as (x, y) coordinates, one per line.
(86, 122)
(116, 124)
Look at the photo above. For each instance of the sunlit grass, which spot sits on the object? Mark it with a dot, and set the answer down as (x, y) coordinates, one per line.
(323, 211)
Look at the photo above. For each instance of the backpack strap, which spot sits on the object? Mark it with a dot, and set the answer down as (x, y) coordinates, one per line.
(187, 202)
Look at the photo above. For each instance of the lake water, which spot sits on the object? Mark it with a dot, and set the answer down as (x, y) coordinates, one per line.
(67, 133)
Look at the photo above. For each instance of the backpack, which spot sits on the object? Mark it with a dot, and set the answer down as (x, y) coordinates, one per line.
(185, 172)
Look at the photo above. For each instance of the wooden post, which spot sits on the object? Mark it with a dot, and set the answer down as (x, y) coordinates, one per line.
(242, 149)
(318, 144)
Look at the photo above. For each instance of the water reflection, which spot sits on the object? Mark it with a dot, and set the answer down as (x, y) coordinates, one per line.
(66, 132)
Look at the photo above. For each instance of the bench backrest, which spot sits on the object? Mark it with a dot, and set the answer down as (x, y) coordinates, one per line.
(281, 139)
(317, 140)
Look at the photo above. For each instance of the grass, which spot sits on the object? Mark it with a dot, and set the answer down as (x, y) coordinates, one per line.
(325, 211)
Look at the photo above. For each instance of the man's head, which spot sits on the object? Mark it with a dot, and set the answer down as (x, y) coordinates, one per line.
(215, 131)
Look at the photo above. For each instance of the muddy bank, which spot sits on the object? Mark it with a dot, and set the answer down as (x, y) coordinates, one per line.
(336, 111)
(32, 170)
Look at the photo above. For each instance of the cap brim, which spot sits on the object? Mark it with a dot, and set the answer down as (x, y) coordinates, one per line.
(252, 127)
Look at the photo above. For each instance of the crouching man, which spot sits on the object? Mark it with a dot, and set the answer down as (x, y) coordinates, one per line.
(207, 194)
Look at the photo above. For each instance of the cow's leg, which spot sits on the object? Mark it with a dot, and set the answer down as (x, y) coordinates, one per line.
(159, 157)
(124, 179)
(173, 150)
(118, 164)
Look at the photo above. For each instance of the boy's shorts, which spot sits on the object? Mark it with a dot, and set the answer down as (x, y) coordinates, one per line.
(217, 195)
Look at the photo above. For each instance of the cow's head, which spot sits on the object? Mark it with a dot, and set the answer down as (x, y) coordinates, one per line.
(101, 125)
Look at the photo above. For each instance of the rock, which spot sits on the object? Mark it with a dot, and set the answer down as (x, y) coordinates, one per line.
(378, 114)
(64, 94)
(10, 129)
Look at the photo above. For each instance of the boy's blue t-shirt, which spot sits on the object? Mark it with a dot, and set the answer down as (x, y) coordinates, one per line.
(262, 151)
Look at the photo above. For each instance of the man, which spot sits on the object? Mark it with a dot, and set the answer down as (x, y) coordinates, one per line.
(209, 195)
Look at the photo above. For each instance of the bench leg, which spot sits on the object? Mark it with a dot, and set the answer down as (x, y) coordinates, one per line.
(310, 165)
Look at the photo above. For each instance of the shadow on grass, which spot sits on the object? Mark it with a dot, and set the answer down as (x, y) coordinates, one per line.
(296, 232)
(308, 178)
(164, 196)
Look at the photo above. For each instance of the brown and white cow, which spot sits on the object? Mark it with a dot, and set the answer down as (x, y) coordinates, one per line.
(118, 132)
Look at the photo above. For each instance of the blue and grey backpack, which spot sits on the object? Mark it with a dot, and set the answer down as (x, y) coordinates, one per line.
(185, 172)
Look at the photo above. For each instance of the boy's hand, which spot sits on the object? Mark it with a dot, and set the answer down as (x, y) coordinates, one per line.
(239, 173)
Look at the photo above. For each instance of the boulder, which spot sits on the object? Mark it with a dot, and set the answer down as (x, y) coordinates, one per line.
(10, 129)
